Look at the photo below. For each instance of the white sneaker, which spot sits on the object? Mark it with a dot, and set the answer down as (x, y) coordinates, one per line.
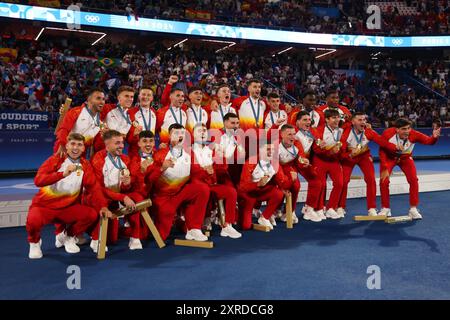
(35, 251)
(305, 208)
(272, 221)
(321, 215)
(196, 234)
(414, 213)
(385, 212)
(294, 218)
(94, 246)
(134, 244)
(372, 212)
(257, 213)
(60, 238)
(341, 212)
(311, 215)
(231, 232)
(331, 213)
(264, 222)
(71, 246)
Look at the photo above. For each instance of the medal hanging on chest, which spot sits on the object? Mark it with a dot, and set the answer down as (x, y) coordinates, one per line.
(255, 113)
(358, 138)
(118, 165)
(126, 116)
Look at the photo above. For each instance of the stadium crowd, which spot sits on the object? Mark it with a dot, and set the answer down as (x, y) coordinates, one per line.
(41, 78)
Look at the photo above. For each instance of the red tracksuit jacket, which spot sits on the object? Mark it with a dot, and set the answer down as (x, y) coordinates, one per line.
(72, 122)
(57, 192)
(369, 135)
(246, 183)
(98, 162)
(390, 135)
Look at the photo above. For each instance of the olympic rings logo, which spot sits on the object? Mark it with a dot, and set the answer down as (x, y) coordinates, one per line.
(397, 42)
(92, 19)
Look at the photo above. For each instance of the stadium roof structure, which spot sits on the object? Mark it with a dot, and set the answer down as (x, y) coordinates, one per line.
(77, 19)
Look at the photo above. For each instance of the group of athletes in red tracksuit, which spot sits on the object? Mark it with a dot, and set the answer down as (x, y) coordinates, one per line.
(206, 154)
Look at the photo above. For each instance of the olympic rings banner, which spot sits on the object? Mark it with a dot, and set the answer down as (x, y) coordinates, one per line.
(16, 11)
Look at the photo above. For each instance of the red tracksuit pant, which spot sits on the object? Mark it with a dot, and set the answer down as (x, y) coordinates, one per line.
(194, 195)
(294, 187)
(113, 224)
(315, 186)
(229, 194)
(365, 162)
(78, 218)
(334, 170)
(269, 193)
(409, 169)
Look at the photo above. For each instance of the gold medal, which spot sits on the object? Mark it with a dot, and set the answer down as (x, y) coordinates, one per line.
(301, 160)
(319, 142)
(102, 125)
(135, 124)
(125, 172)
(358, 146)
(339, 144)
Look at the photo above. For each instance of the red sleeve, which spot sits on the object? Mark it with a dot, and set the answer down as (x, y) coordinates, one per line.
(299, 146)
(92, 187)
(345, 153)
(47, 173)
(318, 134)
(165, 97)
(135, 169)
(375, 137)
(246, 183)
(131, 137)
(207, 108)
(321, 108)
(321, 119)
(66, 126)
(281, 180)
(301, 153)
(152, 174)
(200, 174)
(98, 143)
(292, 117)
(236, 104)
(388, 133)
(346, 112)
(416, 136)
(348, 116)
(383, 153)
(98, 162)
(160, 118)
(106, 109)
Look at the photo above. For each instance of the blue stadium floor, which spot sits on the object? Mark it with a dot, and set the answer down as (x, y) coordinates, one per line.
(313, 261)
